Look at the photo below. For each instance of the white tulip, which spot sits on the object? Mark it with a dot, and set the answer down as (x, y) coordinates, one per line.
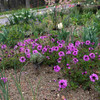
(60, 26)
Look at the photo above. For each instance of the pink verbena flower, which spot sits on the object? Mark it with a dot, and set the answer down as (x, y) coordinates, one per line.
(21, 49)
(86, 58)
(99, 57)
(50, 50)
(61, 53)
(44, 50)
(4, 79)
(22, 59)
(0, 59)
(75, 60)
(56, 48)
(59, 60)
(27, 51)
(92, 55)
(15, 47)
(62, 83)
(60, 45)
(75, 53)
(3, 46)
(57, 68)
(39, 47)
(35, 51)
(94, 77)
(47, 57)
(83, 73)
(68, 52)
(87, 42)
(67, 66)
(72, 48)
(28, 55)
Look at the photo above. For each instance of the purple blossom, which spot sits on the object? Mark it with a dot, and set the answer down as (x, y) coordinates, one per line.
(57, 68)
(93, 43)
(59, 60)
(92, 55)
(67, 48)
(52, 40)
(94, 77)
(67, 66)
(87, 42)
(58, 41)
(68, 52)
(21, 49)
(75, 53)
(47, 57)
(23, 44)
(0, 59)
(90, 48)
(28, 55)
(33, 46)
(61, 53)
(72, 48)
(50, 50)
(71, 44)
(82, 43)
(56, 48)
(75, 60)
(62, 41)
(60, 45)
(99, 57)
(19, 43)
(15, 47)
(9, 55)
(22, 59)
(27, 51)
(35, 51)
(44, 50)
(83, 73)
(47, 46)
(4, 79)
(77, 43)
(3, 46)
(62, 83)
(76, 50)
(86, 58)
(39, 47)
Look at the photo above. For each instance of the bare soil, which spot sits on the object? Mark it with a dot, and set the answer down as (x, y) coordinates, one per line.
(48, 87)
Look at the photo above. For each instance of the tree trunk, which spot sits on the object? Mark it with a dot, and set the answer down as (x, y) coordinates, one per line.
(27, 3)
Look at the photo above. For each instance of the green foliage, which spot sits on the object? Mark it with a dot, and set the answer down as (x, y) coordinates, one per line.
(90, 33)
(11, 36)
(21, 17)
(37, 28)
(66, 20)
(63, 35)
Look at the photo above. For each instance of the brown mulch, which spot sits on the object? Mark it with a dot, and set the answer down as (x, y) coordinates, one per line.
(47, 89)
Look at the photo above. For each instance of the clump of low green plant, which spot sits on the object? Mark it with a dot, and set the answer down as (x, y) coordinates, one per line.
(37, 59)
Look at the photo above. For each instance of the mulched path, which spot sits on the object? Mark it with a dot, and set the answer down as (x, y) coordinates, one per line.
(48, 87)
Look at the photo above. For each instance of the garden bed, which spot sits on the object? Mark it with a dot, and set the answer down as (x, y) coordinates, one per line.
(58, 51)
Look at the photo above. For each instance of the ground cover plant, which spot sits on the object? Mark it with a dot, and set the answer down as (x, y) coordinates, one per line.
(52, 39)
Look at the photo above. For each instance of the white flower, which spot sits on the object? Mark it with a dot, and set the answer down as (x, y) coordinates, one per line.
(29, 16)
(60, 26)
(40, 12)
